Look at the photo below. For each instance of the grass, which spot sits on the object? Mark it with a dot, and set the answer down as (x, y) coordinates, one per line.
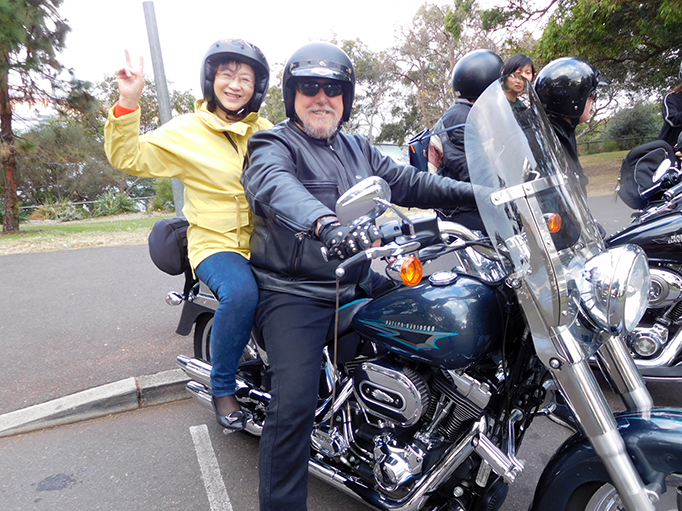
(602, 170)
(51, 236)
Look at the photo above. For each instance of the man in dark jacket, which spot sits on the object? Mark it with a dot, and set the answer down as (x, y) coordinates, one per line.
(472, 74)
(293, 175)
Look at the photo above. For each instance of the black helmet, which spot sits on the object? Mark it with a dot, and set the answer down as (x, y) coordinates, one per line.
(564, 85)
(319, 60)
(474, 72)
(240, 51)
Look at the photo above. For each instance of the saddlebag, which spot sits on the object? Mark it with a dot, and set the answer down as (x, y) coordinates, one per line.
(168, 245)
(637, 171)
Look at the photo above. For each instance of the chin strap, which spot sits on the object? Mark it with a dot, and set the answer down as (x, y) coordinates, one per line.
(241, 113)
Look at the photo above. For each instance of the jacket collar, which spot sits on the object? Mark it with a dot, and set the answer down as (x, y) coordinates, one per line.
(242, 127)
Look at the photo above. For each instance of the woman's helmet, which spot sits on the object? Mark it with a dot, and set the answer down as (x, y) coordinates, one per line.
(240, 51)
(319, 60)
(564, 85)
(474, 72)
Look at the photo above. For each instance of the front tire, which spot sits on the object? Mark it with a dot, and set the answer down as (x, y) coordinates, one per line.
(601, 496)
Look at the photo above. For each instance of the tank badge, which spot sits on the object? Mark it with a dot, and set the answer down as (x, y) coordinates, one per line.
(415, 336)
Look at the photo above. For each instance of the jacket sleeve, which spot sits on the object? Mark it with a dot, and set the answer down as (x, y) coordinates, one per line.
(672, 109)
(272, 186)
(146, 155)
(412, 188)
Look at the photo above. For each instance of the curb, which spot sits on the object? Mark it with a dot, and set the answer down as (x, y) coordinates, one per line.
(121, 396)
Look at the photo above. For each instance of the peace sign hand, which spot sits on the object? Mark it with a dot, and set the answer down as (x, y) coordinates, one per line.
(130, 83)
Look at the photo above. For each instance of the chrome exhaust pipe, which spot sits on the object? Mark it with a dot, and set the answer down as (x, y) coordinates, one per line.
(414, 500)
(196, 369)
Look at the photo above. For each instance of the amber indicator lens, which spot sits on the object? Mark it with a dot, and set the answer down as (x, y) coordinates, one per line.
(553, 222)
(411, 271)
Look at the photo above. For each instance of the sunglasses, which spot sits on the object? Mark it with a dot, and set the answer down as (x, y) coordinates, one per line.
(311, 88)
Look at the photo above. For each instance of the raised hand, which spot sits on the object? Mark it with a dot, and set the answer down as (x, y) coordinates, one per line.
(130, 83)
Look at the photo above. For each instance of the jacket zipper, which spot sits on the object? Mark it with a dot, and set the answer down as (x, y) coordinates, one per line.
(344, 179)
(297, 253)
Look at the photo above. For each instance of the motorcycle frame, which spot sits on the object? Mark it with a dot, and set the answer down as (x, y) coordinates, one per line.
(568, 362)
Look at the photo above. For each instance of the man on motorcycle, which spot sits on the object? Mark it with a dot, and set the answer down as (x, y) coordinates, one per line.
(293, 176)
(566, 87)
(472, 74)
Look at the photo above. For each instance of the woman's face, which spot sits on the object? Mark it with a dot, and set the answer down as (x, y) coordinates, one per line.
(234, 85)
(515, 81)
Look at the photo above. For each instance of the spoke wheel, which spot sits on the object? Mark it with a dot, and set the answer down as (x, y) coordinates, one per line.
(604, 497)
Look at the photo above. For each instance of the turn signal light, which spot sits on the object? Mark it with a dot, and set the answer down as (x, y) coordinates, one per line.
(553, 222)
(411, 271)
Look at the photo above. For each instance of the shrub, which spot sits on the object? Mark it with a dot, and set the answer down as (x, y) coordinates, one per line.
(114, 203)
(63, 211)
(163, 200)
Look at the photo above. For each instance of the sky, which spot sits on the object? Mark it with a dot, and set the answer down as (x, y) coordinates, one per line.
(102, 29)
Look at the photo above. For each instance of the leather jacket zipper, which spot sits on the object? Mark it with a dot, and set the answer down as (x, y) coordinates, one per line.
(297, 253)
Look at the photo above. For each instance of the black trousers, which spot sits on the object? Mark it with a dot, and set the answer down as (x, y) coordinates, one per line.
(294, 330)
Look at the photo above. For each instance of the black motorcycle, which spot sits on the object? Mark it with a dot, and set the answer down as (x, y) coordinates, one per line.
(650, 184)
(427, 391)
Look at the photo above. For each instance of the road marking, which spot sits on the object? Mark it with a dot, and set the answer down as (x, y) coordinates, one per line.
(210, 471)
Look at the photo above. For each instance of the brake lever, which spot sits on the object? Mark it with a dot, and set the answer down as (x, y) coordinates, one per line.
(390, 250)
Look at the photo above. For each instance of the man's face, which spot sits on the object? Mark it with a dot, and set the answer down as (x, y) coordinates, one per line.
(234, 84)
(587, 112)
(319, 113)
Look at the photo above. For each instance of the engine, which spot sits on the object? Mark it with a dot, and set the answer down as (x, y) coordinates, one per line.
(399, 397)
(398, 394)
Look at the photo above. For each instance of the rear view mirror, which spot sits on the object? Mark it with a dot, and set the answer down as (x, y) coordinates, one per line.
(364, 202)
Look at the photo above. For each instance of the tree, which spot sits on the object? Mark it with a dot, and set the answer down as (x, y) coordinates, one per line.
(374, 82)
(630, 127)
(31, 34)
(424, 60)
(61, 161)
(635, 44)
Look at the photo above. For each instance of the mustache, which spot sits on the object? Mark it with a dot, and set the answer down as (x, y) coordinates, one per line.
(325, 108)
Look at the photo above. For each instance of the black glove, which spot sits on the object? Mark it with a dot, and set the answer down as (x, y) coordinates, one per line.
(343, 242)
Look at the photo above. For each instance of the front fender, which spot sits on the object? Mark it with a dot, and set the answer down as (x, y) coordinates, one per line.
(654, 444)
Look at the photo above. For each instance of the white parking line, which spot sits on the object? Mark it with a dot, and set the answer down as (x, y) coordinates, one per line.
(210, 471)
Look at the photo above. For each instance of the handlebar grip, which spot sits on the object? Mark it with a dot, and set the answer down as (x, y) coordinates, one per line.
(672, 192)
(352, 261)
(649, 192)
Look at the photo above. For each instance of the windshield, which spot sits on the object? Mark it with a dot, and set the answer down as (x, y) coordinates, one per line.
(530, 201)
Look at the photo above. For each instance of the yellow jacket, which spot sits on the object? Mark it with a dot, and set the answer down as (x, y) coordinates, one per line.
(193, 148)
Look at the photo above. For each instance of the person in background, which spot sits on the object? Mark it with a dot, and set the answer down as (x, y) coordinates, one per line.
(517, 68)
(567, 89)
(205, 150)
(472, 74)
(293, 176)
(672, 114)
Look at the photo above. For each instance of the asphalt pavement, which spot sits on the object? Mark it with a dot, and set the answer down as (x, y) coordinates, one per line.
(86, 333)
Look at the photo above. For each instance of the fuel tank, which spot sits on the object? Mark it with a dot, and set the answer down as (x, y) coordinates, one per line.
(659, 237)
(449, 326)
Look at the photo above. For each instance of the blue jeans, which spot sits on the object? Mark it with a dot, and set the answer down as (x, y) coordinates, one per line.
(229, 276)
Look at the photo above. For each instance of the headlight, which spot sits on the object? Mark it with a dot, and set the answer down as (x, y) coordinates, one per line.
(615, 290)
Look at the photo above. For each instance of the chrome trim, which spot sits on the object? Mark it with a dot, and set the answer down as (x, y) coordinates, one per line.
(621, 371)
(423, 487)
(667, 356)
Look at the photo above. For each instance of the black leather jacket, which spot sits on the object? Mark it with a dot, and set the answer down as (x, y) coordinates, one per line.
(291, 180)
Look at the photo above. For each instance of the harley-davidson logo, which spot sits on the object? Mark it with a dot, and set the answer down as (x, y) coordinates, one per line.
(415, 336)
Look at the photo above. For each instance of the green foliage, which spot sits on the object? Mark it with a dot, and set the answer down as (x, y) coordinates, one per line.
(635, 44)
(630, 127)
(163, 200)
(60, 160)
(113, 203)
(273, 106)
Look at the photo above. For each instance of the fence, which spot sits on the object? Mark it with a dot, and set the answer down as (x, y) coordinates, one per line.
(607, 146)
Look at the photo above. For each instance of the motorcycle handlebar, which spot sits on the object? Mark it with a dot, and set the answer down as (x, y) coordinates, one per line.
(672, 192)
